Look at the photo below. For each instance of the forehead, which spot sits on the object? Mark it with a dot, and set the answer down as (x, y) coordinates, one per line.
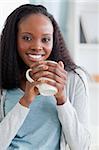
(36, 22)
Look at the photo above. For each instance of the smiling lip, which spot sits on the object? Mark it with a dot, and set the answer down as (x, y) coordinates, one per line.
(35, 57)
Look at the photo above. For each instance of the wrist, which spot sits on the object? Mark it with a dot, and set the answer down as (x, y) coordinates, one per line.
(23, 101)
(61, 100)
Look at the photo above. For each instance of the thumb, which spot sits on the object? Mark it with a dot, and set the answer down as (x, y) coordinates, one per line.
(61, 64)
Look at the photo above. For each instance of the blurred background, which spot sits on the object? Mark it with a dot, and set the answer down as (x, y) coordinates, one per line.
(79, 23)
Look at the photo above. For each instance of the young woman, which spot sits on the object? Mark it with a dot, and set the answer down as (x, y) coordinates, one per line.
(30, 121)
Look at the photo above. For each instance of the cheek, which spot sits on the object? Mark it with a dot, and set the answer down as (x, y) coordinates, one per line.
(49, 48)
(22, 46)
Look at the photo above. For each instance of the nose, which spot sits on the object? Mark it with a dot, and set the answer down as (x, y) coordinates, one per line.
(36, 46)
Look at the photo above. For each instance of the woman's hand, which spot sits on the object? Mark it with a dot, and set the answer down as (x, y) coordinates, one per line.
(61, 95)
(53, 71)
(60, 76)
(30, 92)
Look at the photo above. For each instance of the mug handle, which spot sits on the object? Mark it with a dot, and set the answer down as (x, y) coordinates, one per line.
(28, 76)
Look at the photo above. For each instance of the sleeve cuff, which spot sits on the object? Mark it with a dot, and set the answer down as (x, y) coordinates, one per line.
(18, 105)
(11, 124)
(65, 105)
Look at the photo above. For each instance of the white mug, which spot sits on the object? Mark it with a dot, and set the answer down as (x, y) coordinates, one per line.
(44, 88)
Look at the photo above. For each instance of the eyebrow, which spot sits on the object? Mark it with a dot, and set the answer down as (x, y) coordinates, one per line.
(46, 34)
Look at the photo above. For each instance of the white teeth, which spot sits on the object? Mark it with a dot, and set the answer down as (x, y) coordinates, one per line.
(35, 56)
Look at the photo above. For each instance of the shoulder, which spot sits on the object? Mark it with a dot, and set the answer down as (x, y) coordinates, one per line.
(82, 73)
(78, 80)
(78, 76)
(2, 92)
(2, 100)
(77, 85)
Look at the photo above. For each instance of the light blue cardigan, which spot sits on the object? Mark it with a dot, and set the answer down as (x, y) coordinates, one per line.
(73, 116)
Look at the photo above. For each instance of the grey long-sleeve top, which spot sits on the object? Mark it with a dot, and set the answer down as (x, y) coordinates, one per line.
(73, 116)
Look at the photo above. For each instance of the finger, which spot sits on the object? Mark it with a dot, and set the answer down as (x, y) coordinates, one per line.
(36, 90)
(56, 78)
(58, 71)
(53, 73)
(55, 65)
(33, 84)
(40, 74)
(60, 87)
(61, 64)
(39, 68)
(31, 87)
(37, 63)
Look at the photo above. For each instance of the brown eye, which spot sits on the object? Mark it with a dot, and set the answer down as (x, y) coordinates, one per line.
(46, 40)
(27, 38)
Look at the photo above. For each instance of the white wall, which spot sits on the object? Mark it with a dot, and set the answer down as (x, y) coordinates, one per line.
(53, 6)
(6, 7)
(93, 116)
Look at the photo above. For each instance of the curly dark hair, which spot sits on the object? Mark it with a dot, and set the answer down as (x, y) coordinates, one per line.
(11, 64)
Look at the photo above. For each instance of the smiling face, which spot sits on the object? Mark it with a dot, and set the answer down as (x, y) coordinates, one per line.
(35, 38)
